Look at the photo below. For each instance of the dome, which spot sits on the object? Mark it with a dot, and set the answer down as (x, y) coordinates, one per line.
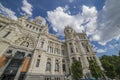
(40, 20)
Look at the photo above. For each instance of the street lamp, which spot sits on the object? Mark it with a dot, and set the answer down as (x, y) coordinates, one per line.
(65, 76)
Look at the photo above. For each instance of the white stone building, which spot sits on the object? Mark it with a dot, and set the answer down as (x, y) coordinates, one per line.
(29, 52)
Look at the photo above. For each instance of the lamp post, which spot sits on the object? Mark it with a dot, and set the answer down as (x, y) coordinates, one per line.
(65, 76)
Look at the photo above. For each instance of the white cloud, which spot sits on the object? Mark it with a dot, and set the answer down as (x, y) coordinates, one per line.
(59, 18)
(101, 50)
(114, 45)
(102, 26)
(71, 1)
(89, 16)
(108, 27)
(27, 8)
(7, 12)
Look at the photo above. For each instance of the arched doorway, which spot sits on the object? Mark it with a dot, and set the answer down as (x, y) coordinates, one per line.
(12, 68)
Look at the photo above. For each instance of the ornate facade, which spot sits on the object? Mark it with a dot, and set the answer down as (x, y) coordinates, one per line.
(29, 52)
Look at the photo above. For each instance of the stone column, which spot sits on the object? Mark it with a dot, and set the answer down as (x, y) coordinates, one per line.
(86, 63)
(53, 65)
(98, 61)
(74, 47)
(18, 73)
(84, 60)
(23, 68)
(67, 66)
(60, 64)
(53, 48)
(33, 61)
(60, 49)
(69, 53)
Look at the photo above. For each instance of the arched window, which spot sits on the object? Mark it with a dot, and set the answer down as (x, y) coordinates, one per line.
(1, 25)
(64, 68)
(48, 65)
(87, 49)
(63, 65)
(63, 52)
(76, 49)
(30, 26)
(73, 58)
(27, 25)
(56, 66)
(79, 58)
(39, 30)
(42, 43)
(33, 27)
(38, 63)
(71, 49)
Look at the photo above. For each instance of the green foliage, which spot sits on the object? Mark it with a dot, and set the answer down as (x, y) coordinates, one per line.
(76, 69)
(119, 53)
(111, 64)
(95, 69)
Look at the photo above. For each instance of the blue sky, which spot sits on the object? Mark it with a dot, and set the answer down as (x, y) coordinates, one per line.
(100, 19)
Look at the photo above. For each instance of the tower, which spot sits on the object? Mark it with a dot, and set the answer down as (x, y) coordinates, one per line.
(79, 48)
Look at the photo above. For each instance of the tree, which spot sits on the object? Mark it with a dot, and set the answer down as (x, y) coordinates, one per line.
(109, 63)
(118, 71)
(119, 53)
(95, 69)
(76, 70)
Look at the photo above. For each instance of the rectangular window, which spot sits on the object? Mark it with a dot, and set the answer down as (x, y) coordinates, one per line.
(47, 78)
(48, 49)
(64, 69)
(63, 52)
(71, 50)
(87, 49)
(79, 58)
(56, 67)
(76, 50)
(27, 25)
(52, 49)
(55, 50)
(42, 43)
(30, 26)
(38, 63)
(73, 58)
(58, 51)
(48, 66)
(0, 25)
